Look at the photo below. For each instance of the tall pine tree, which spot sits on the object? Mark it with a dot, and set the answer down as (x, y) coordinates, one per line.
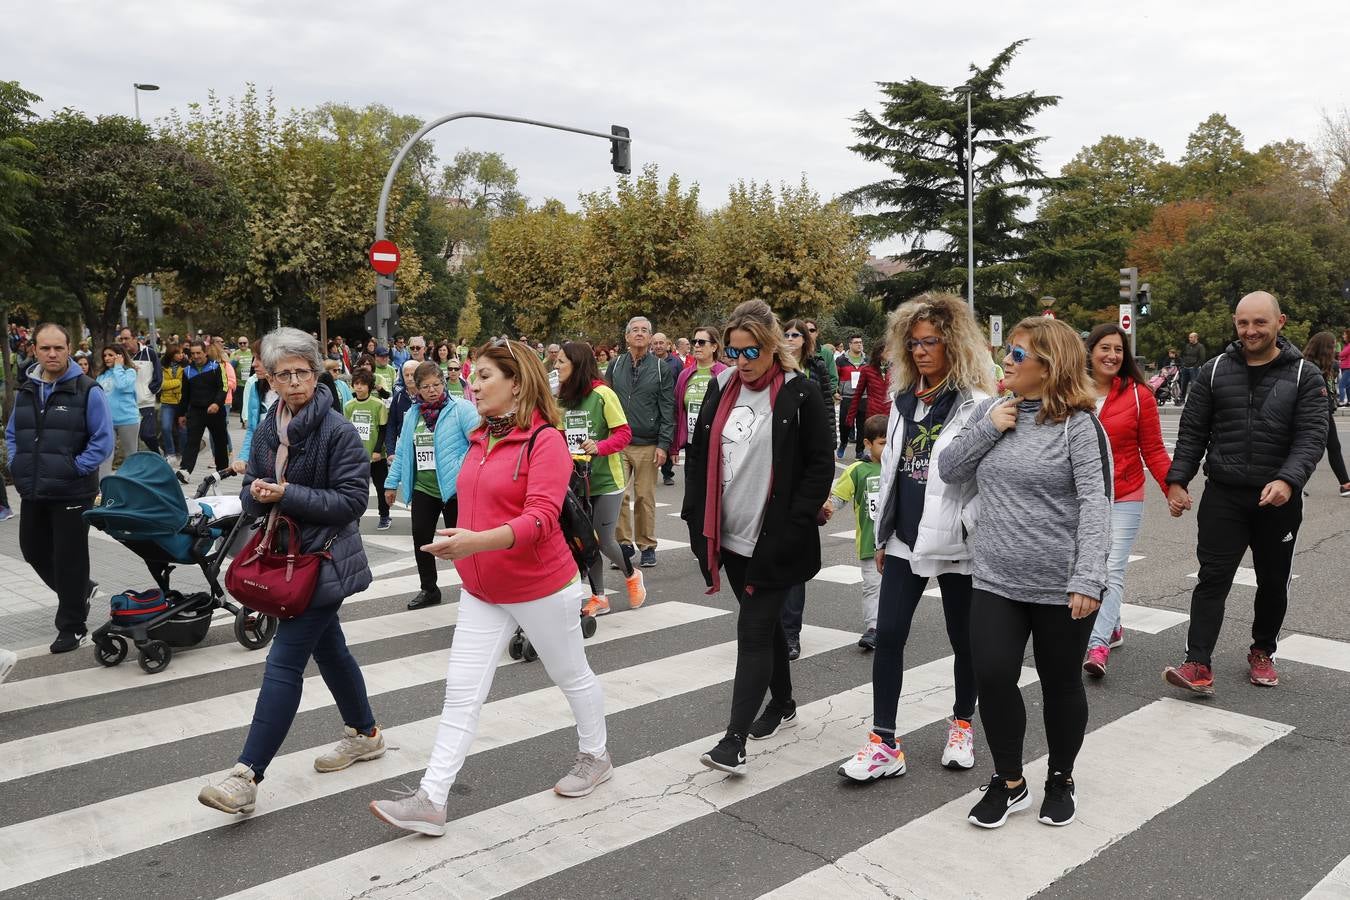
(920, 134)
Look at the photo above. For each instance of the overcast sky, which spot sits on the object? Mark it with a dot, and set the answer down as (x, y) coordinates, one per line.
(713, 91)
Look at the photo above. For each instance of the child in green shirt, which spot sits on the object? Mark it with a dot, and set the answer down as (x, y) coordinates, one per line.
(370, 416)
(861, 485)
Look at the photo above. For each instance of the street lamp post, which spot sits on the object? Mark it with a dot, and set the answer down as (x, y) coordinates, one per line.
(136, 88)
(970, 202)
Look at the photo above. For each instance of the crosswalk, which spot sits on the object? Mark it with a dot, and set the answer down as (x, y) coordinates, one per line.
(99, 768)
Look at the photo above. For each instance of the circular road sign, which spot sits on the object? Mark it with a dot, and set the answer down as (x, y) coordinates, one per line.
(384, 257)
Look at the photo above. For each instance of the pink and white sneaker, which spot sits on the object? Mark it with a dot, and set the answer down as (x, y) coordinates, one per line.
(875, 760)
(1095, 662)
(960, 750)
(1117, 638)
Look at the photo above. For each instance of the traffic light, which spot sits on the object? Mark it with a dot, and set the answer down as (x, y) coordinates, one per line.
(620, 159)
(1129, 285)
(1145, 297)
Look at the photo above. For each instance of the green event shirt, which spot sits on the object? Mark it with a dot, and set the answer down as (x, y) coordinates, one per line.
(861, 484)
(385, 378)
(694, 392)
(367, 415)
(598, 414)
(425, 480)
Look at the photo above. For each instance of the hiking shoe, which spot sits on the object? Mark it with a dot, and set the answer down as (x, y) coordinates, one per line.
(586, 774)
(637, 589)
(182, 477)
(868, 641)
(960, 750)
(596, 606)
(648, 558)
(1192, 676)
(875, 760)
(425, 599)
(6, 513)
(67, 641)
(7, 662)
(355, 747)
(999, 802)
(385, 522)
(728, 756)
(1262, 668)
(237, 793)
(771, 721)
(1095, 662)
(411, 811)
(628, 552)
(794, 648)
(1059, 805)
(1117, 638)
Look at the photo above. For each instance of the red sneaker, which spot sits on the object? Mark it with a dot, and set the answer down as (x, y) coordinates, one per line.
(1262, 669)
(1117, 638)
(1192, 676)
(1095, 662)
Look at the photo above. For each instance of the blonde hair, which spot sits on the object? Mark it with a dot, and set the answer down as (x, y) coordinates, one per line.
(518, 362)
(1068, 387)
(758, 319)
(969, 366)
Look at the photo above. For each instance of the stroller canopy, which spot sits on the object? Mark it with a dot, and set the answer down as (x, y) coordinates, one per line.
(141, 499)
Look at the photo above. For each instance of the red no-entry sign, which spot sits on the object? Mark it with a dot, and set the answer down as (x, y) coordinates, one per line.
(384, 257)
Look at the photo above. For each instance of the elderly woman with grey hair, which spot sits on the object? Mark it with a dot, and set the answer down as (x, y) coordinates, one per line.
(307, 462)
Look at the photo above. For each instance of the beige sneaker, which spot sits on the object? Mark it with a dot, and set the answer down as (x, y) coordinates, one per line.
(237, 793)
(588, 773)
(412, 811)
(355, 747)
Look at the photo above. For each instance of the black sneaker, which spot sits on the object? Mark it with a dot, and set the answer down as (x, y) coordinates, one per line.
(868, 642)
(794, 648)
(1060, 805)
(999, 801)
(771, 720)
(182, 477)
(728, 756)
(668, 482)
(425, 599)
(648, 558)
(67, 641)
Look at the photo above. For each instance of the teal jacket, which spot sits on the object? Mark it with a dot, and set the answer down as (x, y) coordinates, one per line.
(456, 422)
(119, 383)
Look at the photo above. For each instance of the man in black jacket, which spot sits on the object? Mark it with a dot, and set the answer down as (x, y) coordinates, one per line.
(1193, 356)
(1258, 415)
(202, 409)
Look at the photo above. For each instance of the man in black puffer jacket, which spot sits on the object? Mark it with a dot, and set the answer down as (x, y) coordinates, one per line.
(1258, 416)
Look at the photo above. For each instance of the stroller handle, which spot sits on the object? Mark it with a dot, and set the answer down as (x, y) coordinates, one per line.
(211, 480)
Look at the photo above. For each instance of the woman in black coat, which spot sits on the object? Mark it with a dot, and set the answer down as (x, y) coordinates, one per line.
(759, 467)
(324, 487)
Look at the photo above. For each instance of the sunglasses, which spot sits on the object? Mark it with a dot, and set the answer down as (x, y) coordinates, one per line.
(452, 368)
(700, 342)
(793, 334)
(750, 353)
(503, 342)
(1018, 355)
(927, 343)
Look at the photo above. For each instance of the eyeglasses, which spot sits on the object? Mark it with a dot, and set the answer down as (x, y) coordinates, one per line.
(927, 343)
(1018, 355)
(428, 385)
(702, 342)
(750, 353)
(299, 376)
(794, 334)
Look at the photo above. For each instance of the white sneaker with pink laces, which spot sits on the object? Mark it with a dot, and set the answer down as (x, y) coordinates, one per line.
(875, 760)
(960, 750)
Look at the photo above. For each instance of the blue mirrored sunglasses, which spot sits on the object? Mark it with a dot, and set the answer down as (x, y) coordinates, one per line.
(750, 353)
(1018, 355)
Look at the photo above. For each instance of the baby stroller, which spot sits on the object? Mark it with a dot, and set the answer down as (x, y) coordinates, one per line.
(580, 492)
(143, 508)
(1166, 385)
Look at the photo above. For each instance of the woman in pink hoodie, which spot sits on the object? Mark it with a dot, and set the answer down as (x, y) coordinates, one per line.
(517, 570)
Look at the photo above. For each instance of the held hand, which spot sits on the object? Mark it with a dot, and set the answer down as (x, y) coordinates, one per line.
(1004, 415)
(376, 457)
(659, 456)
(238, 466)
(453, 543)
(1081, 606)
(212, 409)
(881, 562)
(1178, 500)
(389, 497)
(827, 511)
(267, 492)
(1277, 493)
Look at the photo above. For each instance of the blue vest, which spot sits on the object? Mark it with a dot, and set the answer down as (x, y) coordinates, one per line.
(47, 441)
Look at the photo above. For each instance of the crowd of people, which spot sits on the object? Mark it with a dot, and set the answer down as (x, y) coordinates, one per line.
(957, 457)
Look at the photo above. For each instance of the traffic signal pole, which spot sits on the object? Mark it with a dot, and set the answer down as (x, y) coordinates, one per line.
(384, 284)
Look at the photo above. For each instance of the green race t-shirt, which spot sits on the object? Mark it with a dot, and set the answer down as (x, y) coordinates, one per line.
(425, 480)
(861, 484)
(385, 377)
(594, 418)
(367, 415)
(694, 393)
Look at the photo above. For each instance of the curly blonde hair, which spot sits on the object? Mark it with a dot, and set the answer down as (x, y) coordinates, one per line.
(970, 366)
(756, 317)
(1068, 387)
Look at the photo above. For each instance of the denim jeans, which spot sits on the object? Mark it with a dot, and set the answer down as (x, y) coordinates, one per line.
(1125, 519)
(171, 437)
(1344, 389)
(315, 633)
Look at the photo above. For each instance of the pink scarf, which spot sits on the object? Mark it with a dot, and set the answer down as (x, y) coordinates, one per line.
(712, 507)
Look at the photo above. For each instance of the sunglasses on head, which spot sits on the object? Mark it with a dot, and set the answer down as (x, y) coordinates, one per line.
(503, 342)
(750, 353)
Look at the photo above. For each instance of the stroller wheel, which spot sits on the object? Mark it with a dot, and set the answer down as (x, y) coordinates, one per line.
(587, 626)
(527, 652)
(110, 650)
(155, 656)
(516, 648)
(254, 630)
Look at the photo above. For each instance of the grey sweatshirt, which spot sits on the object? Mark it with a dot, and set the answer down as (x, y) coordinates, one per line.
(1044, 524)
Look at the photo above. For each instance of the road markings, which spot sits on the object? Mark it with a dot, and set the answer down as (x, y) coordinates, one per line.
(1316, 651)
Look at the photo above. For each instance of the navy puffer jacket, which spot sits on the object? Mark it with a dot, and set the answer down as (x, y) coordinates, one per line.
(327, 490)
(1250, 433)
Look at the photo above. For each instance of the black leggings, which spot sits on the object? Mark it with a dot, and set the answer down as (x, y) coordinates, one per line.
(761, 648)
(901, 591)
(426, 510)
(998, 637)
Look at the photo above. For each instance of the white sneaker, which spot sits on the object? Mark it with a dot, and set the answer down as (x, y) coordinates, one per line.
(7, 662)
(237, 793)
(875, 760)
(960, 750)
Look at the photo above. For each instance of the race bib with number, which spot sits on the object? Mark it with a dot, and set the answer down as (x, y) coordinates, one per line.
(692, 411)
(577, 428)
(873, 494)
(424, 448)
(361, 420)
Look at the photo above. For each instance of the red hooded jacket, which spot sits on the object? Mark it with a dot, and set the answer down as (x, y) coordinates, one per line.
(1130, 418)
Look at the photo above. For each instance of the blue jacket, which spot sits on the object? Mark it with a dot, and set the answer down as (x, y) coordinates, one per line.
(456, 422)
(398, 408)
(251, 412)
(50, 474)
(119, 383)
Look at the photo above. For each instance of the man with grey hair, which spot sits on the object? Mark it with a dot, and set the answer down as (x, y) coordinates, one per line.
(646, 390)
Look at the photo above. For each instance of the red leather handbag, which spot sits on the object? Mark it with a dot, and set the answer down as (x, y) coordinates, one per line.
(272, 579)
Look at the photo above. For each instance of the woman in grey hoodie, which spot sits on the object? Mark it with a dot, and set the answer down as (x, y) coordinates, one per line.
(1042, 464)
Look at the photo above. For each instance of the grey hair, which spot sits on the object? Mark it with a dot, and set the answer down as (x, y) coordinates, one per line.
(629, 326)
(288, 342)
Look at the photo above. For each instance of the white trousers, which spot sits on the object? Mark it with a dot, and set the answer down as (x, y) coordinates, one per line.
(871, 592)
(553, 625)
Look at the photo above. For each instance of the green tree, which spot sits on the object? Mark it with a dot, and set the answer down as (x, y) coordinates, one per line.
(1216, 163)
(920, 135)
(17, 178)
(533, 259)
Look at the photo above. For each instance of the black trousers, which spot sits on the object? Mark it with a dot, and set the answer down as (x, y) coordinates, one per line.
(199, 421)
(54, 540)
(150, 428)
(999, 629)
(761, 647)
(379, 473)
(794, 610)
(845, 429)
(1231, 520)
(426, 511)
